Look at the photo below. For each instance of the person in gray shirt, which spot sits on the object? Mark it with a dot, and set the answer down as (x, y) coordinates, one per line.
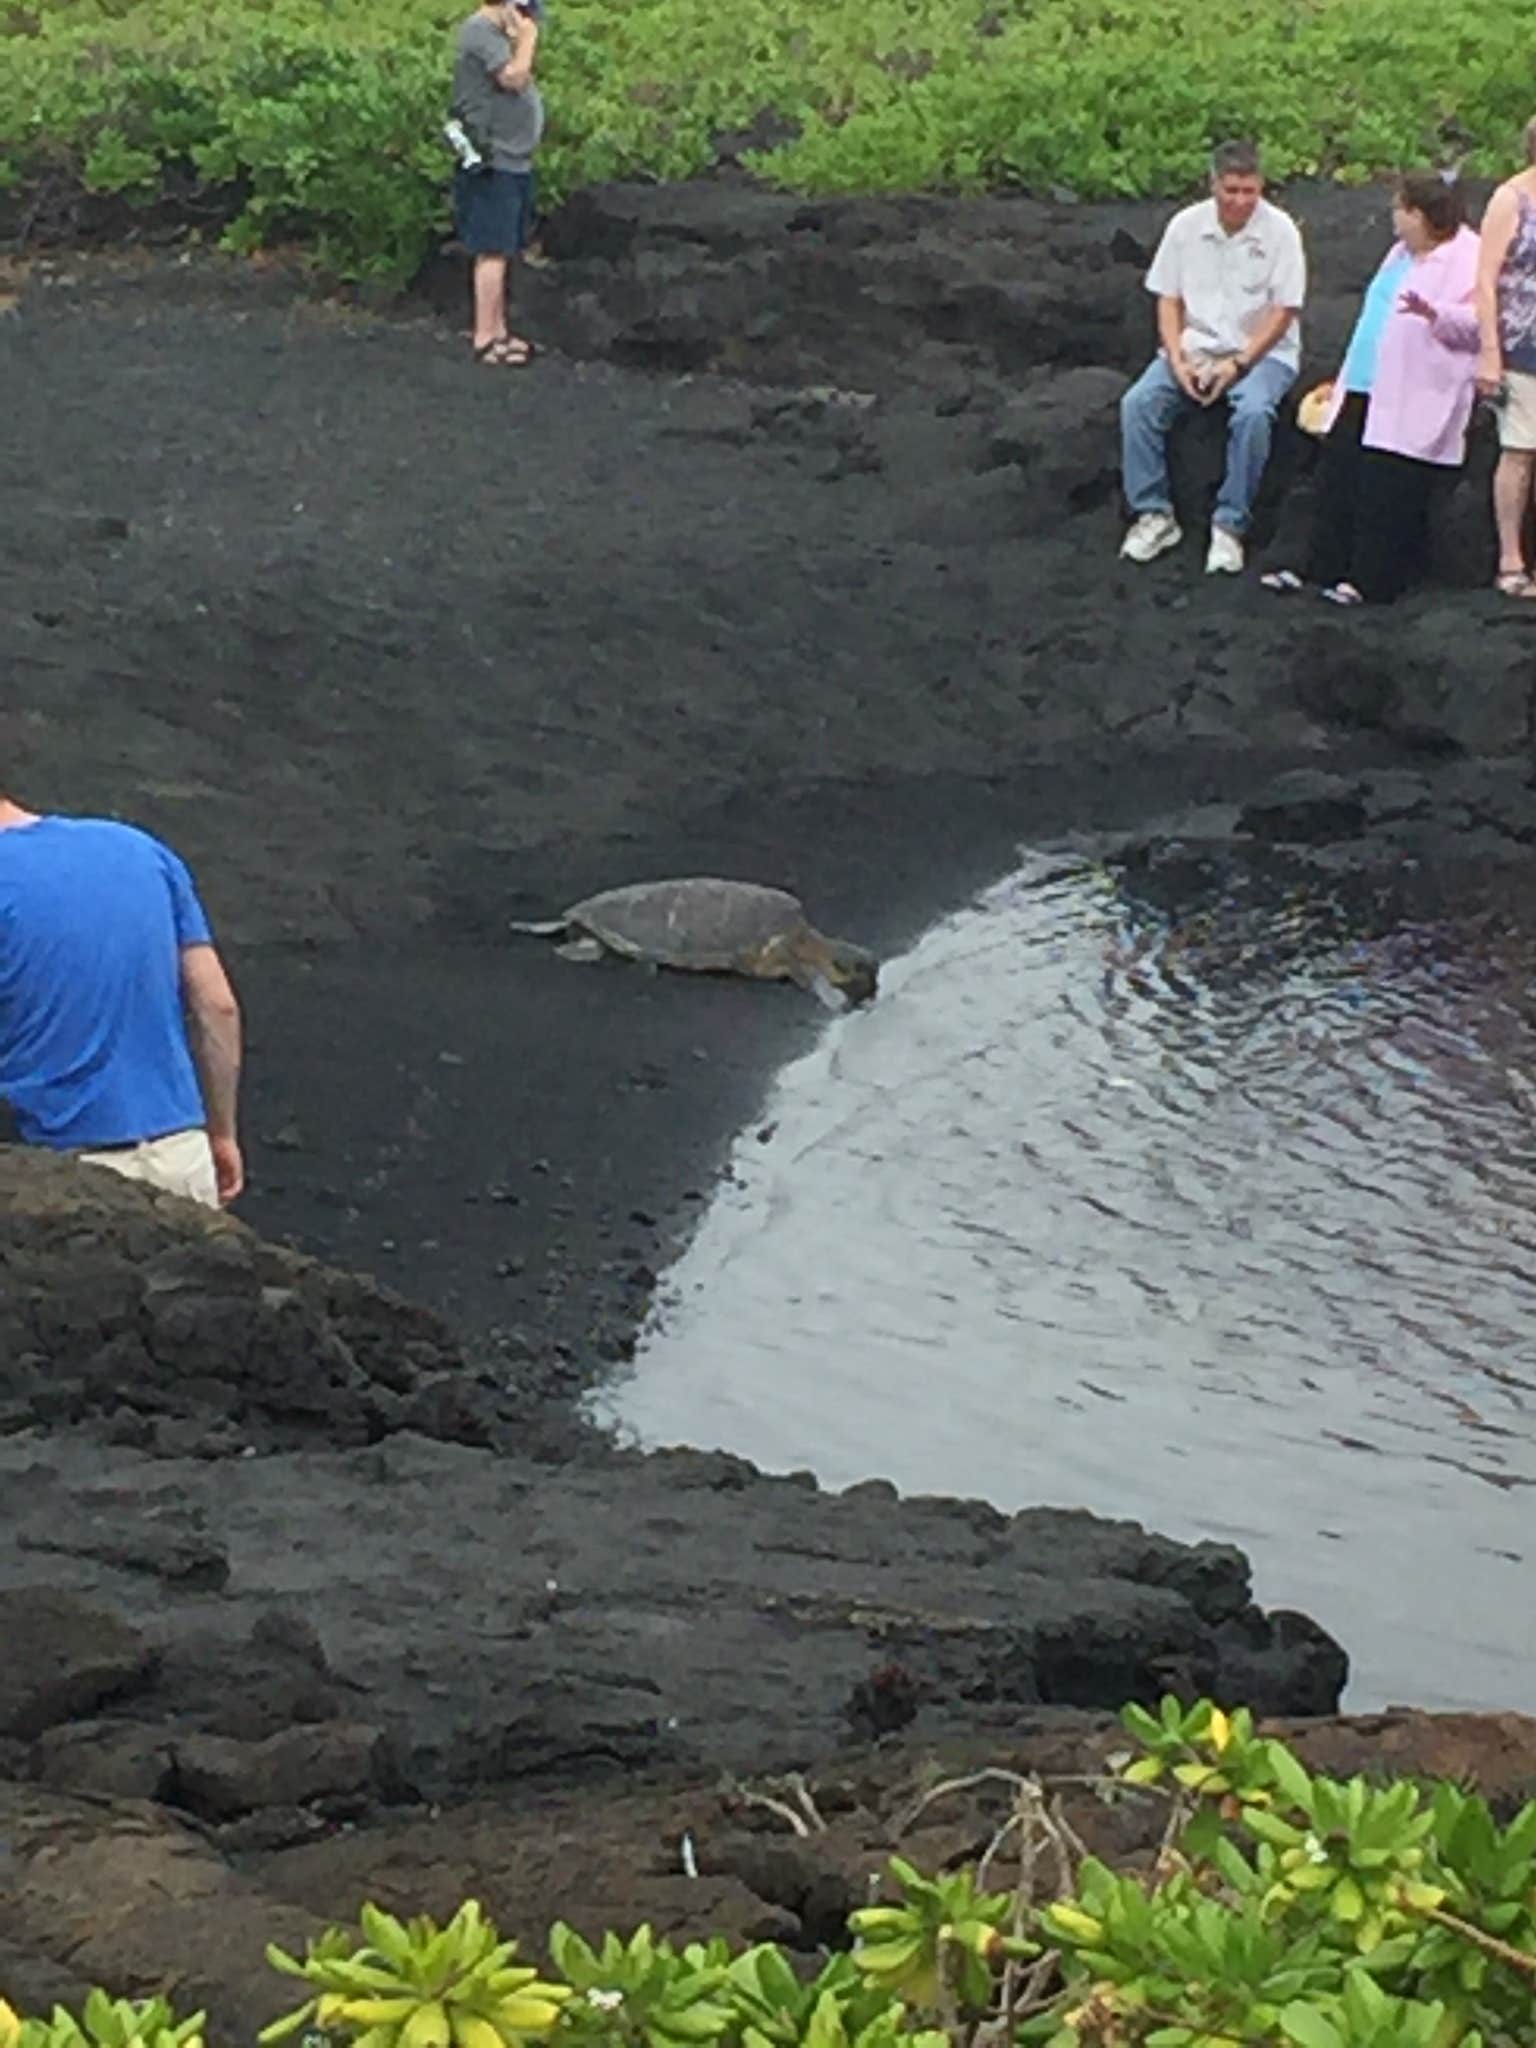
(498, 105)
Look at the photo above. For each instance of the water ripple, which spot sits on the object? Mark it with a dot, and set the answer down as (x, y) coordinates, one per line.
(1222, 1216)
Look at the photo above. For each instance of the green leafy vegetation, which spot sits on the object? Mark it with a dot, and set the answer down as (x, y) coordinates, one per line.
(1282, 1909)
(317, 120)
(104, 2023)
(417, 1985)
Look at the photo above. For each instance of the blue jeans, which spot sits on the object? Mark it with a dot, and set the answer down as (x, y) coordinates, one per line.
(1155, 401)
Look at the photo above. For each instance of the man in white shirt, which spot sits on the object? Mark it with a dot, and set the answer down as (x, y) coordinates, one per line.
(1230, 278)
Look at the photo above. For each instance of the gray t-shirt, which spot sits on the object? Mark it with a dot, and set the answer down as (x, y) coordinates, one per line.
(512, 122)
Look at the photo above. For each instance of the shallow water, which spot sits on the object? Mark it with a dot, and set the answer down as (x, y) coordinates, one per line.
(1222, 1218)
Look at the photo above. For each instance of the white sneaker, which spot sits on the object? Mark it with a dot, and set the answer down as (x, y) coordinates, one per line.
(1153, 534)
(1225, 555)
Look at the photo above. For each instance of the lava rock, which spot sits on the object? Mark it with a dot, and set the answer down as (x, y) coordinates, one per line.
(1306, 805)
(124, 1301)
(1062, 433)
(220, 1778)
(113, 1759)
(1281, 1662)
(64, 1657)
(181, 1557)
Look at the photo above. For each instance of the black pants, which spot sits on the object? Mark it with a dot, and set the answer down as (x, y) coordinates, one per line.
(1371, 525)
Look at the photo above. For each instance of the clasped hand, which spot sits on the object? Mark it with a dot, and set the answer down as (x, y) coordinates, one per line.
(1206, 381)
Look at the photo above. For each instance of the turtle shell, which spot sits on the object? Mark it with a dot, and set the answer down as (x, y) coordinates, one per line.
(701, 921)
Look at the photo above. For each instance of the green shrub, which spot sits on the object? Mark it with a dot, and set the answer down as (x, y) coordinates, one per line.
(417, 1985)
(1298, 1910)
(104, 2023)
(1283, 1910)
(323, 115)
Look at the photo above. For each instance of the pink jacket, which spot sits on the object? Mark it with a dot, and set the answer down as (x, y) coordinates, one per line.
(1425, 381)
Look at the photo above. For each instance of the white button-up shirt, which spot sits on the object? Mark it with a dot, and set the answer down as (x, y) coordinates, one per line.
(1230, 283)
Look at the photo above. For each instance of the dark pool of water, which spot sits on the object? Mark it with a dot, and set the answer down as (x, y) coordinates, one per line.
(1221, 1217)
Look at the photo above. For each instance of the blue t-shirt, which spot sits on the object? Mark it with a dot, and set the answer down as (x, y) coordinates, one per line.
(1359, 371)
(93, 1045)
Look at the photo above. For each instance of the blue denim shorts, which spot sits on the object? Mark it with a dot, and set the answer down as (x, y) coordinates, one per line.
(493, 211)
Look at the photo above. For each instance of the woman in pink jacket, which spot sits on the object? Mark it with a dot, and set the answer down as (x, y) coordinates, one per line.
(1400, 405)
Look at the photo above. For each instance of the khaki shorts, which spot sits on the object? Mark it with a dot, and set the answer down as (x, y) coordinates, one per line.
(1517, 415)
(181, 1163)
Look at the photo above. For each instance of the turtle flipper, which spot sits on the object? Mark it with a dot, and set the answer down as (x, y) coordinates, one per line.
(581, 949)
(546, 928)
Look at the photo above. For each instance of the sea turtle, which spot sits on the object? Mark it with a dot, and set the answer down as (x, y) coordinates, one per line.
(710, 926)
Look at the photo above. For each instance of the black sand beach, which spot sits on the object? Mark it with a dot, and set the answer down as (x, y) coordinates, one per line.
(395, 653)
(793, 558)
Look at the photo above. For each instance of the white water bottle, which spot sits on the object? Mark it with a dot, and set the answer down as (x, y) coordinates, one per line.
(457, 138)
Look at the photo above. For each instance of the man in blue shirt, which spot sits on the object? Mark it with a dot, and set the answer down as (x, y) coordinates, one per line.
(119, 1031)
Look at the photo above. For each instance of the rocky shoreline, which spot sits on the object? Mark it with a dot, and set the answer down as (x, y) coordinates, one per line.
(192, 1413)
(248, 1667)
(795, 560)
(254, 1677)
(137, 1897)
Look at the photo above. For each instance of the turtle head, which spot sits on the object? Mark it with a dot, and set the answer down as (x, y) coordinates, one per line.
(852, 971)
(838, 973)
